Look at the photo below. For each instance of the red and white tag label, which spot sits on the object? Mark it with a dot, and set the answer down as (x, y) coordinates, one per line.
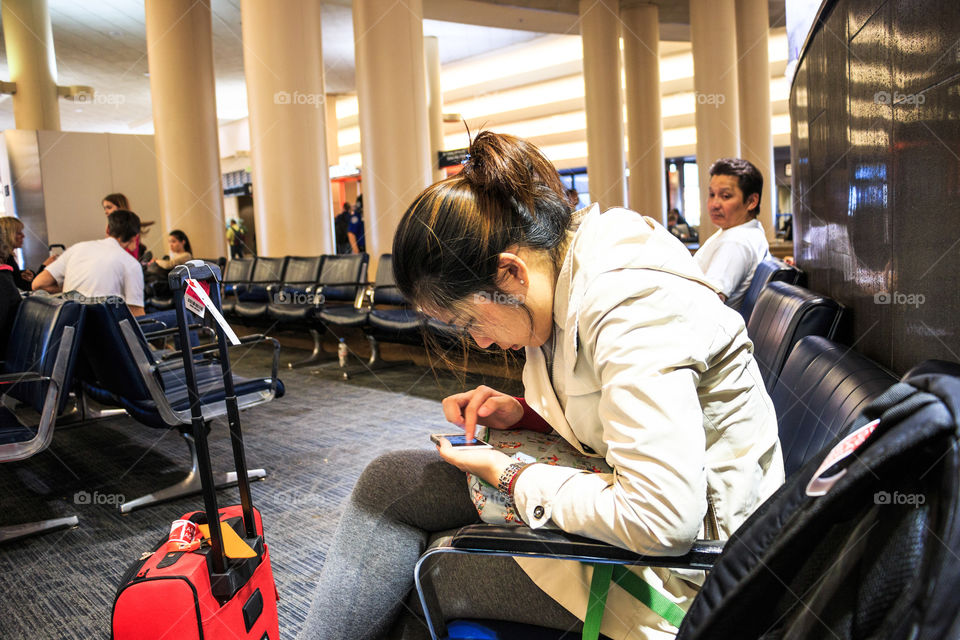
(820, 484)
(193, 302)
(196, 289)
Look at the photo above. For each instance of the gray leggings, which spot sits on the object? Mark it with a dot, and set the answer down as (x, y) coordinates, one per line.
(399, 500)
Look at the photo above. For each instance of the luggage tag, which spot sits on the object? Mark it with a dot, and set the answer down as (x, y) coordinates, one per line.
(193, 302)
(233, 545)
(821, 483)
(194, 287)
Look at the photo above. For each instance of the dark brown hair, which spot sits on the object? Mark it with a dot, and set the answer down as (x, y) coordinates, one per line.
(118, 200)
(749, 178)
(448, 243)
(123, 225)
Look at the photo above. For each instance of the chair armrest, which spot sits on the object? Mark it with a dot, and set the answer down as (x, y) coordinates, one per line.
(523, 541)
(160, 333)
(26, 376)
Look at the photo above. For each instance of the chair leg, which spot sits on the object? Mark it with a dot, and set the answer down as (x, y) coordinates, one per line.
(91, 410)
(18, 531)
(190, 485)
(317, 355)
(373, 363)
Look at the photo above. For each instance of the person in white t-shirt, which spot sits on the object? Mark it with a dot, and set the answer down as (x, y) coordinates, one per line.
(100, 268)
(731, 255)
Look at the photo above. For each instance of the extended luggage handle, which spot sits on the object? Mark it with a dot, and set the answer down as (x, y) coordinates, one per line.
(177, 279)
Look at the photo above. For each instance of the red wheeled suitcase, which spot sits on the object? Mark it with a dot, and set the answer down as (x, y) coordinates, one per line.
(201, 593)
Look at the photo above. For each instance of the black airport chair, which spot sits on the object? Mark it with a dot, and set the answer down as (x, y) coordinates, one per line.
(769, 270)
(41, 353)
(238, 271)
(785, 314)
(340, 283)
(254, 294)
(299, 276)
(121, 370)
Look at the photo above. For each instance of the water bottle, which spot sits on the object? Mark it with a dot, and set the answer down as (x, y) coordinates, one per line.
(342, 353)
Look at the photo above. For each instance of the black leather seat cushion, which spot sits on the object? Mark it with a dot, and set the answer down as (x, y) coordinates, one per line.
(785, 314)
(767, 271)
(291, 313)
(395, 320)
(822, 388)
(344, 316)
(250, 310)
(210, 384)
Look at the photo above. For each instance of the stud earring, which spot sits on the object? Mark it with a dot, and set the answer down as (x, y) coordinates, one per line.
(522, 282)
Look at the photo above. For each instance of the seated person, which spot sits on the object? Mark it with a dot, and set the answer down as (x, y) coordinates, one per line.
(11, 235)
(9, 296)
(630, 356)
(678, 226)
(99, 268)
(114, 201)
(730, 256)
(157, 270)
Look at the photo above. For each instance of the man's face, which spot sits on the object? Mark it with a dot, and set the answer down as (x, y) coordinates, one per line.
(725, 202)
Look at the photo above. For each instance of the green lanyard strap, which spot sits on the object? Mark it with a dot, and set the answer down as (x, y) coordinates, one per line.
(603, 575)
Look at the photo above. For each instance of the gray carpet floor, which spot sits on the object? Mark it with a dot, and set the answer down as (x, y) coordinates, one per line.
(313, 443)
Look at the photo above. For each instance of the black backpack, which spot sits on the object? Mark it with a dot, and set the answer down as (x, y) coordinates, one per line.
(876, 556)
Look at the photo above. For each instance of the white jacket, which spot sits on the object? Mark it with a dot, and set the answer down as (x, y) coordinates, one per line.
(655, 374)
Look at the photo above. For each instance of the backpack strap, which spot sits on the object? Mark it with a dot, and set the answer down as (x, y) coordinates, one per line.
(640, 589)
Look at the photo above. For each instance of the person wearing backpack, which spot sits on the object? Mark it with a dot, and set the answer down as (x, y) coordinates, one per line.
(236, 235)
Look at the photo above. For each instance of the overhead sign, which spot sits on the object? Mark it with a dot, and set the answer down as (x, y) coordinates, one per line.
(452, 158)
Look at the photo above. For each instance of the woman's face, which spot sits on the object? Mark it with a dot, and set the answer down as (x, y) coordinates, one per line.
(108, 207)
(725, 203)
(176, 244)
(18, 237)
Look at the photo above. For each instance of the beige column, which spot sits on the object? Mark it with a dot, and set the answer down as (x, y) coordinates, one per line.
(31, 63)
(333, 130)
(180, 58)
(394, 132)
(431, 53)
(713, 36)
(753, 77)
(283, 67)
(600, 32)
(641, 62)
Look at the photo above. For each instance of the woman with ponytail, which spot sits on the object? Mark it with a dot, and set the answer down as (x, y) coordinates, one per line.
(630, 357)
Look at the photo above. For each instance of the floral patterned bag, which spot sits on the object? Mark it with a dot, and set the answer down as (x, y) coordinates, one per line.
(524, 446)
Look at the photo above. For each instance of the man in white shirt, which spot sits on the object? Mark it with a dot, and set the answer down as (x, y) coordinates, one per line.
(101, 268)
(731, 255)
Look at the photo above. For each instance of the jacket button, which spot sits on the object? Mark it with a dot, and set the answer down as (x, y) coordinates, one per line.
(538, 512)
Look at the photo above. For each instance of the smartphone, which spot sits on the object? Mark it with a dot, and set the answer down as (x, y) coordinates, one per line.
(460, 440)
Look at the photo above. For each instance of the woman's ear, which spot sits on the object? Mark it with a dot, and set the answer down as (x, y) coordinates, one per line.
(512, 272)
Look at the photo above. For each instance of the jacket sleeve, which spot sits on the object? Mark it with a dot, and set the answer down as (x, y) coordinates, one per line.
(644, 352)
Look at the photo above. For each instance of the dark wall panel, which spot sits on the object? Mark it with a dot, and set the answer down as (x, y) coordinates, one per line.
(875, 111)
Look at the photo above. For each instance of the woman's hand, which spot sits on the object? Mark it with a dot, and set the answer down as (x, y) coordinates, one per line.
(488, 464)
(484, 406)
(27, 275)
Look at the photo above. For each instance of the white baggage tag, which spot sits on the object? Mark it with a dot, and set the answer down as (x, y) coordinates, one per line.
(192, 302)
(194, 286)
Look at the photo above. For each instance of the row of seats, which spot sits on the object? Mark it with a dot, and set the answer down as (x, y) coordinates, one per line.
(97, 348)
(326, 293)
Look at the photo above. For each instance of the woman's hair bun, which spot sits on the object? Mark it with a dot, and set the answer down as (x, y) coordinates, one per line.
(504, 167)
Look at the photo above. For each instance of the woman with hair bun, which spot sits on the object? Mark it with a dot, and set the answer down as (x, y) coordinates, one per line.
(630, 357)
